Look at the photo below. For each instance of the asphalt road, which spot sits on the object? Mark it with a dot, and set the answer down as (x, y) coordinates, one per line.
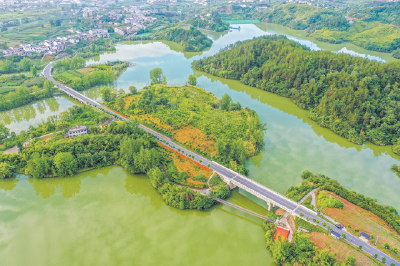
(243, 181)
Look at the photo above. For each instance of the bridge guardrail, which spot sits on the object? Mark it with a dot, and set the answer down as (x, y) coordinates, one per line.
(258, 184)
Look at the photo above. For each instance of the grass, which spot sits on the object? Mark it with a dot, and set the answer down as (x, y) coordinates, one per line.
(364, 221)
(7, 89)
(308, 226)
(215, 180)
(341, 249)
(307, 203)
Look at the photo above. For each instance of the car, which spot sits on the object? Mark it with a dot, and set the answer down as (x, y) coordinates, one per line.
(339, 225)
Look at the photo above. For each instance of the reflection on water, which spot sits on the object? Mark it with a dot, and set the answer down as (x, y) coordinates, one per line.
(21, 118)
(114, 218)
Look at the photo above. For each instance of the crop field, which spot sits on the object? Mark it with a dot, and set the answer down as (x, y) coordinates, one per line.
(357, 220)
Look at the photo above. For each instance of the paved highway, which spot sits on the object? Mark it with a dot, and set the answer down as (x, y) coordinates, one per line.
(236, 178)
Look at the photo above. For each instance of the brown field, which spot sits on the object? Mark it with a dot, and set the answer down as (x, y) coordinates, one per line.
(193, 170)
(341, 249)
(85, 70)
(365, 221)
(47, 57)
(195, 138)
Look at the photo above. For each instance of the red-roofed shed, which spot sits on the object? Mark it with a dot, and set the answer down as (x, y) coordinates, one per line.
(282, 233)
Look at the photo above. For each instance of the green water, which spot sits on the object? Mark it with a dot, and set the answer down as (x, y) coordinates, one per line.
(107, 217)
(22, 117)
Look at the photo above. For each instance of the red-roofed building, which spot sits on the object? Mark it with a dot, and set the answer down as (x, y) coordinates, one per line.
(281, 233)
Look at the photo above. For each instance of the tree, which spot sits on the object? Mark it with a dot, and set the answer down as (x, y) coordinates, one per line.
(25, 64)
(120, 92)
(6, 170)
(105, 93)
(375, 256)
(221, 192)
(383, 260)
(344, 235)
(33, 71)
(65, 164)
(38, 166)
(133, 89)
(164, 80)
(120, 103)
(226, 100)
(192, 80)
(4, 131)
(156, 76)
(350, 261)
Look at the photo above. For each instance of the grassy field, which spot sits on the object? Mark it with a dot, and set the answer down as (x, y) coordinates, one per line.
(358, 220)
(341, 249)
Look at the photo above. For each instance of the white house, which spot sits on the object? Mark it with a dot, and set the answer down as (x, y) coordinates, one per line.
(77, 131)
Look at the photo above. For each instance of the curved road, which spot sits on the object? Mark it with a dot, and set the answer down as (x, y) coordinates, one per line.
(242, 181)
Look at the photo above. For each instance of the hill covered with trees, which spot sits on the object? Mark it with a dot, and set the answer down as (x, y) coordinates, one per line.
(213, 22)
(373, 28)
(198, 120)
(191, 39)
(355, 97)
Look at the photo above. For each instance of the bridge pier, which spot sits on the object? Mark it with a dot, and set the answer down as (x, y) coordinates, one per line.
(228, 181)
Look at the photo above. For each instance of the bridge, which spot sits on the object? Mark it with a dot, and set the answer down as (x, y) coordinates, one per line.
(234, 179)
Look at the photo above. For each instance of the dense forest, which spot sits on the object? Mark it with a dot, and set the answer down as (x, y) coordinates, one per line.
(372, 28)
(213, 22)
(197, 119)
(356, 98)
(23, 95)
(122, 143)
(191, 39)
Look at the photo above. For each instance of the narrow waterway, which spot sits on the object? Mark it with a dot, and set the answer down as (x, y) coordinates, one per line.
(108, 217)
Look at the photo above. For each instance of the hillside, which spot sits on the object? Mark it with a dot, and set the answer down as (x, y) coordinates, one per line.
(355, 97)
(373, 28)
(191, 39)
(197, 119)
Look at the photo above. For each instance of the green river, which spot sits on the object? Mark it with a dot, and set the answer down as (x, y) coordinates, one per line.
(109, 217)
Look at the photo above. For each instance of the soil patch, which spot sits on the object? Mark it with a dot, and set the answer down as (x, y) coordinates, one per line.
(365, 221)
(341, 249)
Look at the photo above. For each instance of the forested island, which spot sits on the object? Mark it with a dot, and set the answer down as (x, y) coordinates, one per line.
(198, 120)
(354, 97)
(214, 22)
(191, 39)
(189, 114)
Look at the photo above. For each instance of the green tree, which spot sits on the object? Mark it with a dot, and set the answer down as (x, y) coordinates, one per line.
(133, 89)
(192, 80)
(65, 164)
(226, 100)
(38, 166)
(4, 132)
(383, 260)
(350, 261)
(6, 170)
(156, 76)
(120, 103)
(120, 92)
(105, 93)
(25, 64)
(33, 71)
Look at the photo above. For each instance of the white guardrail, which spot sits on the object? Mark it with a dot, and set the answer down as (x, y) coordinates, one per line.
(269, 190)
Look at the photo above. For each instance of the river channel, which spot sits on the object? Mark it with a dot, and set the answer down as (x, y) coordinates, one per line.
(109, 217)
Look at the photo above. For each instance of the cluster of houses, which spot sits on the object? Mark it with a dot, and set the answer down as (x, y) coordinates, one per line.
(56, 45)
(201, 2)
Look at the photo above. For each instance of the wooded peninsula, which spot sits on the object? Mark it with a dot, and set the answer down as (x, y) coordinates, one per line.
(354, 97)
